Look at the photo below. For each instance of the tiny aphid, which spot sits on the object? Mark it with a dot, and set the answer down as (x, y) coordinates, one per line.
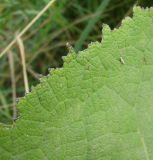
(122, 60)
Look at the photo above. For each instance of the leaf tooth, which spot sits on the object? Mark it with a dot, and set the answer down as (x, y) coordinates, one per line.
(49, 69)
(106, 31)
(63, 58)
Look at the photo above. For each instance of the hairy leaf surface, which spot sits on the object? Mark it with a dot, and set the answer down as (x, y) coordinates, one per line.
(98, 107)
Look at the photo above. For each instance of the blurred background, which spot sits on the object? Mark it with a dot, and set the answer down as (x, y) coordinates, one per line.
(78, 22)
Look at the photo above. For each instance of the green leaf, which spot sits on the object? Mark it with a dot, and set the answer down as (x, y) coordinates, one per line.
(99, 106)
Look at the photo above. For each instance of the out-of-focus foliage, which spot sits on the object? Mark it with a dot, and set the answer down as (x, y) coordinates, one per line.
(145, 3)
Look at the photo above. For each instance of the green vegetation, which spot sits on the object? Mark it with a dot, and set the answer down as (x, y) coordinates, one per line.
(98, 106)
(77, 22)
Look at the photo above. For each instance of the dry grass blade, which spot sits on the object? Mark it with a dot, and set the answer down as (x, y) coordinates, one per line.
(22, 53)
(12, 72)
(27, 27)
